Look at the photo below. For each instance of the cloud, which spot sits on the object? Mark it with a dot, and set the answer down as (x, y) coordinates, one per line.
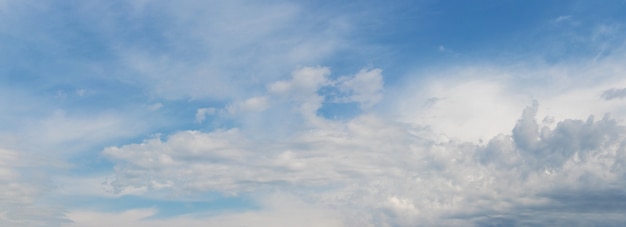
(68, 133)
(301, 96)
(460, 146)
(614, 93)
(562, 18)
(202, 112)
(372, 169)
(20, 193)
(304, 82)
(480, 101)
(365, 87)
(280, 210)
(470, 110)
(377, 166)
(214, 48)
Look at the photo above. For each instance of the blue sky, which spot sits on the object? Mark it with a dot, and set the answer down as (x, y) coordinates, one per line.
(319, 113)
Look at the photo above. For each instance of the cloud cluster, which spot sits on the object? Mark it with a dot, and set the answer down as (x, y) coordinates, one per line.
(295, 102)
(233, 148)
(379, 171)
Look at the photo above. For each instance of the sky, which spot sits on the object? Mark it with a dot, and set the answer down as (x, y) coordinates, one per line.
(312, 113)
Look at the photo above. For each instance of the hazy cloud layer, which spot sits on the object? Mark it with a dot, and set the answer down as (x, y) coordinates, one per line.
(19, 193)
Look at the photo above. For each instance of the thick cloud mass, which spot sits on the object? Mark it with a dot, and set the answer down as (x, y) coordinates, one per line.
(376, 171)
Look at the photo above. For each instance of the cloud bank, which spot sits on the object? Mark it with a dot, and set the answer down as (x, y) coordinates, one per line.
(374, 171)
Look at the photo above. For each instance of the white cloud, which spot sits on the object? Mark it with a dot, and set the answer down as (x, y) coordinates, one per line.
(68, 133)
(481, 101)
(203, 112)
(365, 87)
(371, 169)
(254, 104)
(382, 169)
(469, 110)
(304, 82)
(20, 194)
(301, 90)
(416, 162)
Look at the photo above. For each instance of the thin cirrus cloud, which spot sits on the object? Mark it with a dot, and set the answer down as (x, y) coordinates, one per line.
(235, 113)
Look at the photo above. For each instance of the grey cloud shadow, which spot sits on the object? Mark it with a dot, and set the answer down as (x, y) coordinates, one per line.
(614, 93)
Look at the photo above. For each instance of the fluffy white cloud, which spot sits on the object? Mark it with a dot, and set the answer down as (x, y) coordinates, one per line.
(470, 110)
(301, 91)
(301, 96)
(481, 101)
(304, 82)
(372, 165)
(376, 170)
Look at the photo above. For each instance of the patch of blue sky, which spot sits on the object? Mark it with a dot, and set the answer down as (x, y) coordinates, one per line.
(438, 33)
(183, 112)
(335, 107)
(52, 34)
(88, 163)
(65, 44)
(339, 111)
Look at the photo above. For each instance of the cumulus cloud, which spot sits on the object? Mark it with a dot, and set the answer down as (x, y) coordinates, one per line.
(302, 95)
(304, 82)
(470, 110)
(372, 170)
